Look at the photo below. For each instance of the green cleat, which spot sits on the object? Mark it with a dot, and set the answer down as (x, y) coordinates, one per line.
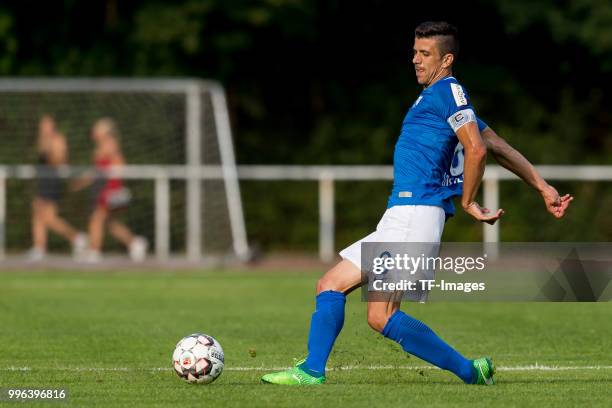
(484, 370)
(293, 376)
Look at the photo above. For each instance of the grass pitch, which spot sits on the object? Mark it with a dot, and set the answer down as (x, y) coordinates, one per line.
(108, 338)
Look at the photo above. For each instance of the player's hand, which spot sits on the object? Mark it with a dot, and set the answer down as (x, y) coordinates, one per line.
(482, 214)
(555, 204)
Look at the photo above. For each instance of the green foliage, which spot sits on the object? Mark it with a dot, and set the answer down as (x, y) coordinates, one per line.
(585, 23)
(8, 43)
(328, 82)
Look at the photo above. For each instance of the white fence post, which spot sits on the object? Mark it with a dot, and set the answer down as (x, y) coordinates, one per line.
(326, 217)
(490, 233)
(162, 217)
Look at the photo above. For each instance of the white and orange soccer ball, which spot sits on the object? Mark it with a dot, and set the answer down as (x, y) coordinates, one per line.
(198, 358)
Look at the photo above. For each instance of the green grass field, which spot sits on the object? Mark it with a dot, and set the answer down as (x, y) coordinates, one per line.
(108, 338)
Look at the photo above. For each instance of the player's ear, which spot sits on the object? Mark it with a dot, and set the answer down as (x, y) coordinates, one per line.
(447, 60)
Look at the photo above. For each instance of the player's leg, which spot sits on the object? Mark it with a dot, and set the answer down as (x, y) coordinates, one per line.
(418, 339)
(343, 277)
(382, 308)
(420, 224)
(325, 325)
(328, 318)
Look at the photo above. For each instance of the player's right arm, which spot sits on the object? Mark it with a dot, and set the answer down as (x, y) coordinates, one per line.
(475, 157)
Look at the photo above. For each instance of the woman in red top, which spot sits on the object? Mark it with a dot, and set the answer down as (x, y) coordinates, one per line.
(110, 194)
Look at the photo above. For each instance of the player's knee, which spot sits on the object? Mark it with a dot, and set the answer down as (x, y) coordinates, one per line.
(325, 283)
(344, 277)
(377, 320)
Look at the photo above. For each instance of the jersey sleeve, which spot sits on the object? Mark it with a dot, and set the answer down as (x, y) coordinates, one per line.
(481, 124)
(452, 104)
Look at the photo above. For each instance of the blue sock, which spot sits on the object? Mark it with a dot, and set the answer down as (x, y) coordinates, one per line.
(325, 325)
(418, 339)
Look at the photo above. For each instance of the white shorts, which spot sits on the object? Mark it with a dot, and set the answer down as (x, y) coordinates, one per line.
(402, 223)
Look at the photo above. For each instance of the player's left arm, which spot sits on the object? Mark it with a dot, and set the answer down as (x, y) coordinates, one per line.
(454, 106)
(513, 160)
(475, 156)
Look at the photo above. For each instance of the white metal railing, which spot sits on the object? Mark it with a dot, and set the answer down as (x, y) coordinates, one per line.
(324, 175)
(192, 89)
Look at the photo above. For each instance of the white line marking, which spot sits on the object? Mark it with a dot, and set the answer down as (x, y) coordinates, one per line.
(535, 367)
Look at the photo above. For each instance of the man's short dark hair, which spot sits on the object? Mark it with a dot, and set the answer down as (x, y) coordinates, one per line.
(448, 40)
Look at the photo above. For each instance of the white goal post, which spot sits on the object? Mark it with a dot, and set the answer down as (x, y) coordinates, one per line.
(199, 96)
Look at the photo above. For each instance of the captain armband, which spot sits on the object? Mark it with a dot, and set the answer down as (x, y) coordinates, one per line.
(458, 119)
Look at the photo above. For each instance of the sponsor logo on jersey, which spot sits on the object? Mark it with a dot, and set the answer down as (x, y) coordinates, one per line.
(449, 180)
(456, 168)
(458, 94)
(455, 172)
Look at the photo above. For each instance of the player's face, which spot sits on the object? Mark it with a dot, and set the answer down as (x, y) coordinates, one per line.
(428, 63)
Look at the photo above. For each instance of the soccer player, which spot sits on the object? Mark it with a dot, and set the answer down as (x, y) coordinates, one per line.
(439, 154)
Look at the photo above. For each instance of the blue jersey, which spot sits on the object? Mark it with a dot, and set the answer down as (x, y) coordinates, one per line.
(428, 158)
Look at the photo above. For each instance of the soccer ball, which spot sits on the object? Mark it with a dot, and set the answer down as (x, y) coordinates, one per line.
(198, 358)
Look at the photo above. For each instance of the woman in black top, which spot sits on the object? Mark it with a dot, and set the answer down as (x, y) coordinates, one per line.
(52, 154)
